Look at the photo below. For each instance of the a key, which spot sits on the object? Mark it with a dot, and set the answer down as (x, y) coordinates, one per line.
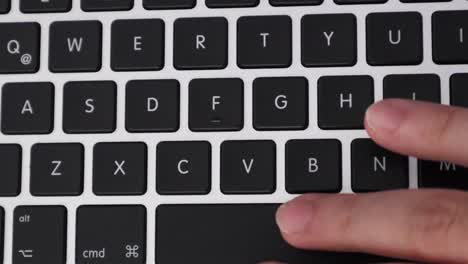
(352, 2)
(152, 106)
(264, 42)
(394, 38)
(19, 47)
(106, 5)
(40, 234)
(200, 43)
(374, 168)
(313, 165)
(76, 46)
(343, 101)
(231, 3)
(183, 167)
(450, 37)
(421, 87)
(89, 107)
(280, 103)
(5, 8)
(2, 223)
(45, 6)
(119, 168)
(57, 169)
(458, 91)
(27, 108)
(295, 2)
(329, 40)
(137, 45)
(216, 105)
(111, 234)
(232, 234)
(169, 4)
(10, 166)
(442, 174)
(248, 167)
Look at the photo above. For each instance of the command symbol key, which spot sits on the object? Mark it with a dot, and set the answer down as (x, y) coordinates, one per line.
(19, 47)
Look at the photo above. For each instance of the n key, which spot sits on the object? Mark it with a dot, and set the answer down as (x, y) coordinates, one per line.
(45, 6)
(19, 47)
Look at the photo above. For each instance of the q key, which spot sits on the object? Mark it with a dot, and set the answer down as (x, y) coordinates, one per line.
(19, 47)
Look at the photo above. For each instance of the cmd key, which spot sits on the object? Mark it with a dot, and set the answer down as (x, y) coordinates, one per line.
(19, 47)
(106, 5)
(45, 6)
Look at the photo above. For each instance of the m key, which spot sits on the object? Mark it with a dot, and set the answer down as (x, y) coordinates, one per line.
(39, 235)
(19, 47)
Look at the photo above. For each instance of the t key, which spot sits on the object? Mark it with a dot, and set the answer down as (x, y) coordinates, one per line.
(19, 47)
(111, 234)
(40, 235)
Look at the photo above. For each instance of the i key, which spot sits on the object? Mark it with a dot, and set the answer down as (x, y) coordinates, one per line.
(76, 46)
(458, 91)
(343, 101)
(183, 167)
(231, 3)
(19, 47)
(89, 107)
(169, 4)
(394, 38)
(200, 43)
(5, 6)
(248, 167)
(106, 5)
(57, 169)
(137, 45)
(10, 166)
(280, 103)
(329, 40)
(27, 108)
(216, 105)
(40, 235)
(450, 37)
(442, 174)
(264, 42)
(111, 234)
(422, 87)
(376, 169)
(119, 168)
(45, 6)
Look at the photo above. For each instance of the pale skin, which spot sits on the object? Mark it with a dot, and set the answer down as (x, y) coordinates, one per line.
(428, 226)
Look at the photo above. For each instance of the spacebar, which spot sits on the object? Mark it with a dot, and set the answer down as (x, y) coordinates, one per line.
(232, 234)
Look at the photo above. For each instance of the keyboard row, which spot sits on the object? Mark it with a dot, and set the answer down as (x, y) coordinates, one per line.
(246, 167)
(262, 42)
(279, 103)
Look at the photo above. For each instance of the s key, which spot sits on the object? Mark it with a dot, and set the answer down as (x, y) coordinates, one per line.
(19, 47)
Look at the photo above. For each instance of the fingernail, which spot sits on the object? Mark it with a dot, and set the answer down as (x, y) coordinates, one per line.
(293, 217)
(387, 115)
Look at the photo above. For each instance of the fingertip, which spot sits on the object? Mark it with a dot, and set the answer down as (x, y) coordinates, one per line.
(386, 116)
(294, 217)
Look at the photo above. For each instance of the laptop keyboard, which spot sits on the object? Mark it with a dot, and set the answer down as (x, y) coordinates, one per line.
(168, 131)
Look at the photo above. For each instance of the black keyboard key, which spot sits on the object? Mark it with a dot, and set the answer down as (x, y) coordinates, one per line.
(40, 234)
(10, 166)
(231, 3)
(458, 91)
(45, 6)
(169, 4)
(280, 103)
(57, 169)
(19, 47)
(394, 38)
(76, 46)
(89, 107)
(2, 223)
(183, 167)
(422, 87)
(353, 2)
(200, 43)
(5, 6)
(152, 106)
(423, 1)
(137, 45)
(374, 168)
(264, 42)
(119, 168)
(248, 167)
(295, 2)
(313, 165)
(442, 174)
(106, 5)
(232, 234)
(111, 234)
(329, 40)
(27, 108)
(343, 101)
(216, 105)
(450, 37)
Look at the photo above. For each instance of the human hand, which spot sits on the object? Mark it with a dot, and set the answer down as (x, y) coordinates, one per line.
(420, 225)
